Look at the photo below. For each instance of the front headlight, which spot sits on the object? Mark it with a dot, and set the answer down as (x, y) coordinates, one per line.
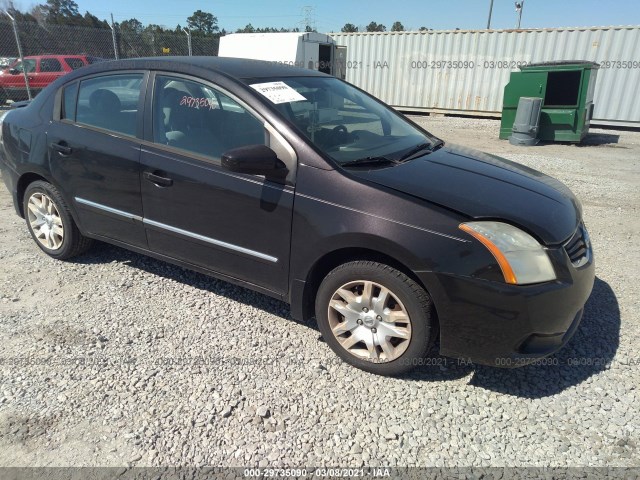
(521, 258)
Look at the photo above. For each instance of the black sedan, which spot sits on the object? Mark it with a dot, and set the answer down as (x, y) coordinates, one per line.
(303, 187)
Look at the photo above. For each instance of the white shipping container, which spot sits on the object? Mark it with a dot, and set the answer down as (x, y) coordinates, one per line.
(315, 51)
(465, 71)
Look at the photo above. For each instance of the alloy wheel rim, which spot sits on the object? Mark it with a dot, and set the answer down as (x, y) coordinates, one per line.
(45, 221)
(369, 321)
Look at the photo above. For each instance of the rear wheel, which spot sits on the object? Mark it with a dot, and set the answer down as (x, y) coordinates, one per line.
(50, 222)
(375, 317)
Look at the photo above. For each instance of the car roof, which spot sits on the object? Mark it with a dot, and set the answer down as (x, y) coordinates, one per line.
(238, 68)
(35, 57)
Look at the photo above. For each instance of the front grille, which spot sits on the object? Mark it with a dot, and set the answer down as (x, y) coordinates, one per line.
(578, 247)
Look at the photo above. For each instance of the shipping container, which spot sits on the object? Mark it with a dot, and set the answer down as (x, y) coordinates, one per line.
(465, 71)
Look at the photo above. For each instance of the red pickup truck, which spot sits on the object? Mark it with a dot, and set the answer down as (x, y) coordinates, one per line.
(41, 71)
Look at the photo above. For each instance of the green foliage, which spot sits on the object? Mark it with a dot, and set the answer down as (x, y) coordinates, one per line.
(132, 25)
(349, 28)
(251, 29)
(397, 27)
(62, 12)
(202, 23)
(376, 27)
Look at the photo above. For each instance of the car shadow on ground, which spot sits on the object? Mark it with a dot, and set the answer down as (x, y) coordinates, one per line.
(103, 253)
(589, 352)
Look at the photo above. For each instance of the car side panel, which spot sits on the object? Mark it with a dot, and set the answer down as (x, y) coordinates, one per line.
(101, 178)
(334, 211)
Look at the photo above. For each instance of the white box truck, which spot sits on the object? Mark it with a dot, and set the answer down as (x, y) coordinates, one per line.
(312, 50)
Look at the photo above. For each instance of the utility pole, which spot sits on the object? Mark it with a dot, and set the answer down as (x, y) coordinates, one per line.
(490, 12)
(519, 8)
(24, 70)
(115, 40)
(186, 30)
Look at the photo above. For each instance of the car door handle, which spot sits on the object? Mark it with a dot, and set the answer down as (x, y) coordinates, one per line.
(61, 148)
(158, 180)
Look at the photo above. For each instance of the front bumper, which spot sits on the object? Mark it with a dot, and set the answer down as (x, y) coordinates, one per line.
(503, 325)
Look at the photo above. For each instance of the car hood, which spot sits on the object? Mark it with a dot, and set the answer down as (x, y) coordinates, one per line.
(484, 186)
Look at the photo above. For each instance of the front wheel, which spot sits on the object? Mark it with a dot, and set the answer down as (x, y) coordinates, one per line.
(50, 222)
(375, 317)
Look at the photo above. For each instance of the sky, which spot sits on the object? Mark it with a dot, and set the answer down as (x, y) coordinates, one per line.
(331, 15)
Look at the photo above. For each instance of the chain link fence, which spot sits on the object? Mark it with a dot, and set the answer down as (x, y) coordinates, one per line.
(49, 51)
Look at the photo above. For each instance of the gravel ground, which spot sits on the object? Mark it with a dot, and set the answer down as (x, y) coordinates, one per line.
(116, 359)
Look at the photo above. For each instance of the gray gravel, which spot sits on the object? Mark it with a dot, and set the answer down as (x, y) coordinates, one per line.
(117, 359)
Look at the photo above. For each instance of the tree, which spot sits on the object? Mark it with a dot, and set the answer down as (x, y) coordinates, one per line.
(397, 27)
(61, 12)
(94, 22)
(349, 28)
(247, 29)
(11, 8)
(376, 27)
(423, 29)
(133, 25)
(203, 23)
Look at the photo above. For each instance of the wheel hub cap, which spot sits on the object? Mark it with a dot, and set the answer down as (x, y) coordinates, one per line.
(369, 321)
(45, 221)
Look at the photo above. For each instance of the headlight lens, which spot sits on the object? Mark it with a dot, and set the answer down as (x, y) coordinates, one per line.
(522, 259)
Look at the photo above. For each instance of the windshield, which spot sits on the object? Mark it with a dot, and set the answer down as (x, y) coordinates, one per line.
(341, 121)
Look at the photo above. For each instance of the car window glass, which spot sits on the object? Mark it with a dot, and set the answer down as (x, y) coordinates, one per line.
(29, 66)
(110, 102)
(197, 118)
(50, 65)
(74, 63)
(69, 96)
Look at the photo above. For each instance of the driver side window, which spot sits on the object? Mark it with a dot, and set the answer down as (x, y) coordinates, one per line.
(196, 118)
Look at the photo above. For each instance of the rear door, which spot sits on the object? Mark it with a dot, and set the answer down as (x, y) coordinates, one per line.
(194, 210)
(49, 70)
(94, 153)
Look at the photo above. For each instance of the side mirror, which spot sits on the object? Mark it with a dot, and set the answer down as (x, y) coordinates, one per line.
(13, 71)
(254, 160)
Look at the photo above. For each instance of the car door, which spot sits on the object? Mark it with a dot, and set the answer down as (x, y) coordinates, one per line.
(49, 70)
(13, 79)
(94, 153)
(237, 225)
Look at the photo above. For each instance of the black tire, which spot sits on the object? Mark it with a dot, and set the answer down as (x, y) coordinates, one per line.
(415, 300)
(73, 242)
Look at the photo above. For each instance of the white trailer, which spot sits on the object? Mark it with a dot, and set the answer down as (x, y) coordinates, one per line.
(312, 50)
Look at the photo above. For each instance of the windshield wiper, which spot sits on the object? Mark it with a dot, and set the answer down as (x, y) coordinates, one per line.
(369, 161)
(419, 148)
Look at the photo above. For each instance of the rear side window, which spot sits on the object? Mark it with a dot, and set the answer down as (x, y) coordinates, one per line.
(50, 65)
(74, 63)
(69, 96)
(110, 102)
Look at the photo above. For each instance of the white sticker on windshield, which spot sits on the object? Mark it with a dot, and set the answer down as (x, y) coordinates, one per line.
(278, 92)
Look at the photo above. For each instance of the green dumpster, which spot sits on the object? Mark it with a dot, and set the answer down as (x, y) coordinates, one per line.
(566, 89)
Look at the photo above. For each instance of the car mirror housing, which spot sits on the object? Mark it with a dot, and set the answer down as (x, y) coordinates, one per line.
(254, 160)
(13, 71)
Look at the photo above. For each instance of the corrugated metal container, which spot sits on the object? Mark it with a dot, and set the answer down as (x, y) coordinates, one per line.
(465, 71)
